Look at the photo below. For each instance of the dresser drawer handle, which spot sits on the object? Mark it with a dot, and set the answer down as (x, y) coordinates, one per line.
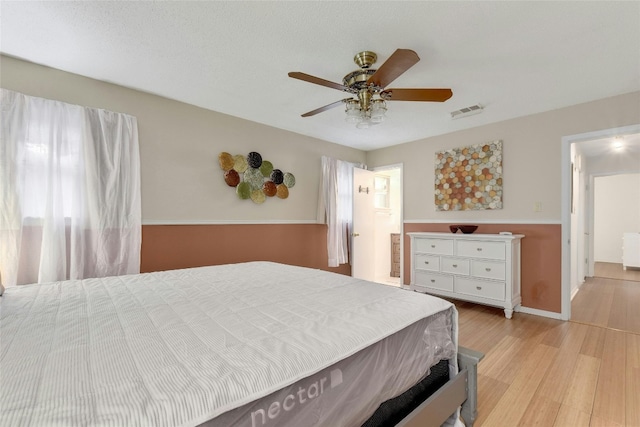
(433, 280)
(479, 249)
(433, 246)
(426, 262)
(479, 288)
(487, 269)
(455, 265)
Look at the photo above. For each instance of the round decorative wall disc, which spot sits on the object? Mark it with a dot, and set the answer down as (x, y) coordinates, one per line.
(226, 161)
(282, 191)
(254, 159)
(232, 178)
(289, 180)
(243, 190)
(240, 163)
(269, 188)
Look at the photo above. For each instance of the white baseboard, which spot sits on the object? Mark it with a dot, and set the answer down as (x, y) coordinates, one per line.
(536, 312)
(574, 292)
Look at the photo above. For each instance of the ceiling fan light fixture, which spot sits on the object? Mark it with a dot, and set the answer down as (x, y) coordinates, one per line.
(378, 110)
(354, 114)
(365, 123)
(367, 86)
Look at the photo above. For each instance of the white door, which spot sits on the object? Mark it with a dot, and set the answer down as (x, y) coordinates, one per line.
(362, 240)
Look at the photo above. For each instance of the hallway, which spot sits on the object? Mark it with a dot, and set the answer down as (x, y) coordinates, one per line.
(610, 303)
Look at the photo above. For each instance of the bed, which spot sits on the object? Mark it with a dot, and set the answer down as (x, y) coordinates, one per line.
(251, 344)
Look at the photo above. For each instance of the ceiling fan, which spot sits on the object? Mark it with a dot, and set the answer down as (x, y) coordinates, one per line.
(368, 85)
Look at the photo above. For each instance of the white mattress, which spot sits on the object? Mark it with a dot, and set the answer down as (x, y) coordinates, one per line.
(183, 347)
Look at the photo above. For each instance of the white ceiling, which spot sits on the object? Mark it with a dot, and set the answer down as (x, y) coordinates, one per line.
(514, 58)
(625, 144)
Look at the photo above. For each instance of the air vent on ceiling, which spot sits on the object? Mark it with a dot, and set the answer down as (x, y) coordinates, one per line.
(467, 111)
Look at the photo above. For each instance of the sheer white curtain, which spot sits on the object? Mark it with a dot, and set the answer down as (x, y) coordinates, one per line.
(69, 191)
(336, 207)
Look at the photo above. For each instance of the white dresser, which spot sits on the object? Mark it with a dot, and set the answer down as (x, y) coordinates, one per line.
(482, 268)
(630, 250)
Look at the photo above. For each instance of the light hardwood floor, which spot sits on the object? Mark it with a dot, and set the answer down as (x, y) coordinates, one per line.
(609, 303)
(543, 372)
(615, 271)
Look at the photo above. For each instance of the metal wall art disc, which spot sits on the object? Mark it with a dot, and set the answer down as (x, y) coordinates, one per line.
(232, 178)
(254, 159)
(258, 196)
(243, 190)
(226, 161)
(277, 176)
(282, 191)
(269, 188)
(254, 178)
(240, 163)
(266, 168)
(289, 180)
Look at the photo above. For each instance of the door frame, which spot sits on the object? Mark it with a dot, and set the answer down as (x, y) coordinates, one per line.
(401, 167)
(565, 193)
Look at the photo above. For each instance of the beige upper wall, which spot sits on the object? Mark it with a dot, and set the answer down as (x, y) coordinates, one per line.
(531, 160)
(179, 147)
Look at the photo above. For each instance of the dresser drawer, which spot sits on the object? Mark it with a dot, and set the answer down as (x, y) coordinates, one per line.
(488, 269)
(434, 280)
(427, 262)
(480, 288)
(480, 249)
(454, 265)
(434, 246)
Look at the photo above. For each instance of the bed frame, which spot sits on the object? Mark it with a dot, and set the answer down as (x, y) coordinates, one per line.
(462, 390)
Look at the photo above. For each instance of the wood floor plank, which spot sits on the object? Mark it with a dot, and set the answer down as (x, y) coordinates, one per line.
(620, 308)
(609, 403)
(581, 389)
(570, 416)
(491, 391)
(632, 390)
(601, 422)
(506, 362)
(615, 271)
(555, 335)
(557, 379)
(609, 303)
(540, 412)
(632, 300)
(593, 342)
(632, 394)
(584, 310)
(511, 407)
(494, 360)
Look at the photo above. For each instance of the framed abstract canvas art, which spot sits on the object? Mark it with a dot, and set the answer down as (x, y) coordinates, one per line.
(469, 178)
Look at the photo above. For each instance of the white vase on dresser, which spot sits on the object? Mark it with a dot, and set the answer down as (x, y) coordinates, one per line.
(630, 250)
(481, 268)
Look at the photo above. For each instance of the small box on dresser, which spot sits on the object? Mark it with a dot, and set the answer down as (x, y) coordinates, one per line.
(481, 268)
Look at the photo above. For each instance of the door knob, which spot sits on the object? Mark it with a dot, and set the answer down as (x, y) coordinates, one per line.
(355, 234)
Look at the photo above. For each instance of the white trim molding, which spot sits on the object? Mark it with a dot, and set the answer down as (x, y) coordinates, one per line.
(225, 221)
(483, 221)
(536, 312)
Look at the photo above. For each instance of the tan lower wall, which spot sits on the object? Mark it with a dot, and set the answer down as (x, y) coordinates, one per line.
(170, 247)
(541, 256)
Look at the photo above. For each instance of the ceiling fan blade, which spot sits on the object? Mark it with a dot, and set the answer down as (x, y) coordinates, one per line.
(325, 108)
(399, 62)
(429, 95)
(317, 80)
